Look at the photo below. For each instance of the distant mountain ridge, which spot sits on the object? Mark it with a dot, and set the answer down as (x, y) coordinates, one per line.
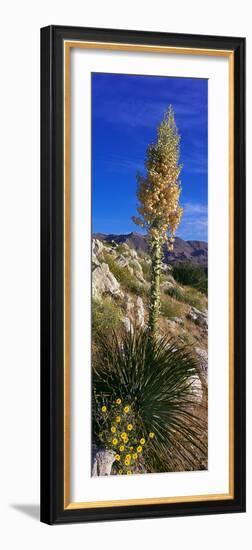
(184, 251)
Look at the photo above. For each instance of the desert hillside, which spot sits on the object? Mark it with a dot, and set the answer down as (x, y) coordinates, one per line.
(121, 284)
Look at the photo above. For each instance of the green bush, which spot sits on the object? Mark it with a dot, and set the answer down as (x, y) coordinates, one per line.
(195, 298)
(175, 293)
(170, 308)
(191, 275)
(189, 296)
(121, 248)
(124, 277)
(153, 377)
(106, 316)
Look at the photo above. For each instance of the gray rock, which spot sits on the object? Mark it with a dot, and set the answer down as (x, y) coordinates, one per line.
(196, 388)
(132, 265)
(140, 312)
(122, 261)
(104, 282)
(102, 462)
(135, 313)
(200, 318)
(202, 357)
(127, 324)
(97, 247)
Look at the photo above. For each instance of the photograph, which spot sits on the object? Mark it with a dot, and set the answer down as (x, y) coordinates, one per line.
(149, 169)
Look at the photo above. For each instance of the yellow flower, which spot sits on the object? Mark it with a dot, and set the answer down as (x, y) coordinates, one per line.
(131, 448)
(120, 472)
(151, 435)
(128, 457)
(142, 441)
(123, 435)
(117, 457)
(113, 429)
(127, 462)
(118, 401)
(118, 419)
(129, 427)
(134, 456)
(129, 472)
(121, 448)
(114, 441)
(139, 449)
(104, 408)
(126, 409)
(126, 439)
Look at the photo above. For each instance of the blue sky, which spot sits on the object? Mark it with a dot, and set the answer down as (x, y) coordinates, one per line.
(126, 111)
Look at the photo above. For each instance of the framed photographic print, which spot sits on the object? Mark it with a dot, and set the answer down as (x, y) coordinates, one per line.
(142, 274)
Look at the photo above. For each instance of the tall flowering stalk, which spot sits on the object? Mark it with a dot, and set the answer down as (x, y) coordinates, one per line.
(158, 194)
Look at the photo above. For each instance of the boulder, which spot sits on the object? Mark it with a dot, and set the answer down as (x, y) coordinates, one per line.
(127, 324)
(200, 318)
(132, 265)
(122, 261)
(202, 357)
(104, 282)
(196, 388)
(97, 247)
(134, 310)
(140, 312)
(102, 461)
(138, 272)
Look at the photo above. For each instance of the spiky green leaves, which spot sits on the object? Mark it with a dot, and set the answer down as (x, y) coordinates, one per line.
(156, 376)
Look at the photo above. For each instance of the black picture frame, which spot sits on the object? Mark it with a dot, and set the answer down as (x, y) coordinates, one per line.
(52, 302)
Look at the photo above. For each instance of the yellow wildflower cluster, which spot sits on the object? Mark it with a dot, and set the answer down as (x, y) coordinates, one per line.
(119, 432)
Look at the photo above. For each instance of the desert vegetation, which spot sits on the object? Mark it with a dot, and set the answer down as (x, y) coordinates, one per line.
(149, 335)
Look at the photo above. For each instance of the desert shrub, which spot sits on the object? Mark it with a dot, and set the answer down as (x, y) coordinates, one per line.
(121, 248)
(107, 244)
(106, 316)
(195, 298)
(124, 277)
(152, 379)
(191, 275)
(171, 308)
(175, 293)
(189, 295)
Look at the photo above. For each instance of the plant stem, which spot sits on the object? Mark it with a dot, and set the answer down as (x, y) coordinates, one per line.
(156, 264)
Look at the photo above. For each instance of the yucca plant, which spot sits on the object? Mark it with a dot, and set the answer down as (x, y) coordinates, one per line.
(159, 211)
(156, 378)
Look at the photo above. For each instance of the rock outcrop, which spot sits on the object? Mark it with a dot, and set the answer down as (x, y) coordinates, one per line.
(134, 313)
(102, 462)
(198, 317)
(104, 282)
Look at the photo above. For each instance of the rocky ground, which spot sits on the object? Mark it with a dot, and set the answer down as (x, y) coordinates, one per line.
(120, 287)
